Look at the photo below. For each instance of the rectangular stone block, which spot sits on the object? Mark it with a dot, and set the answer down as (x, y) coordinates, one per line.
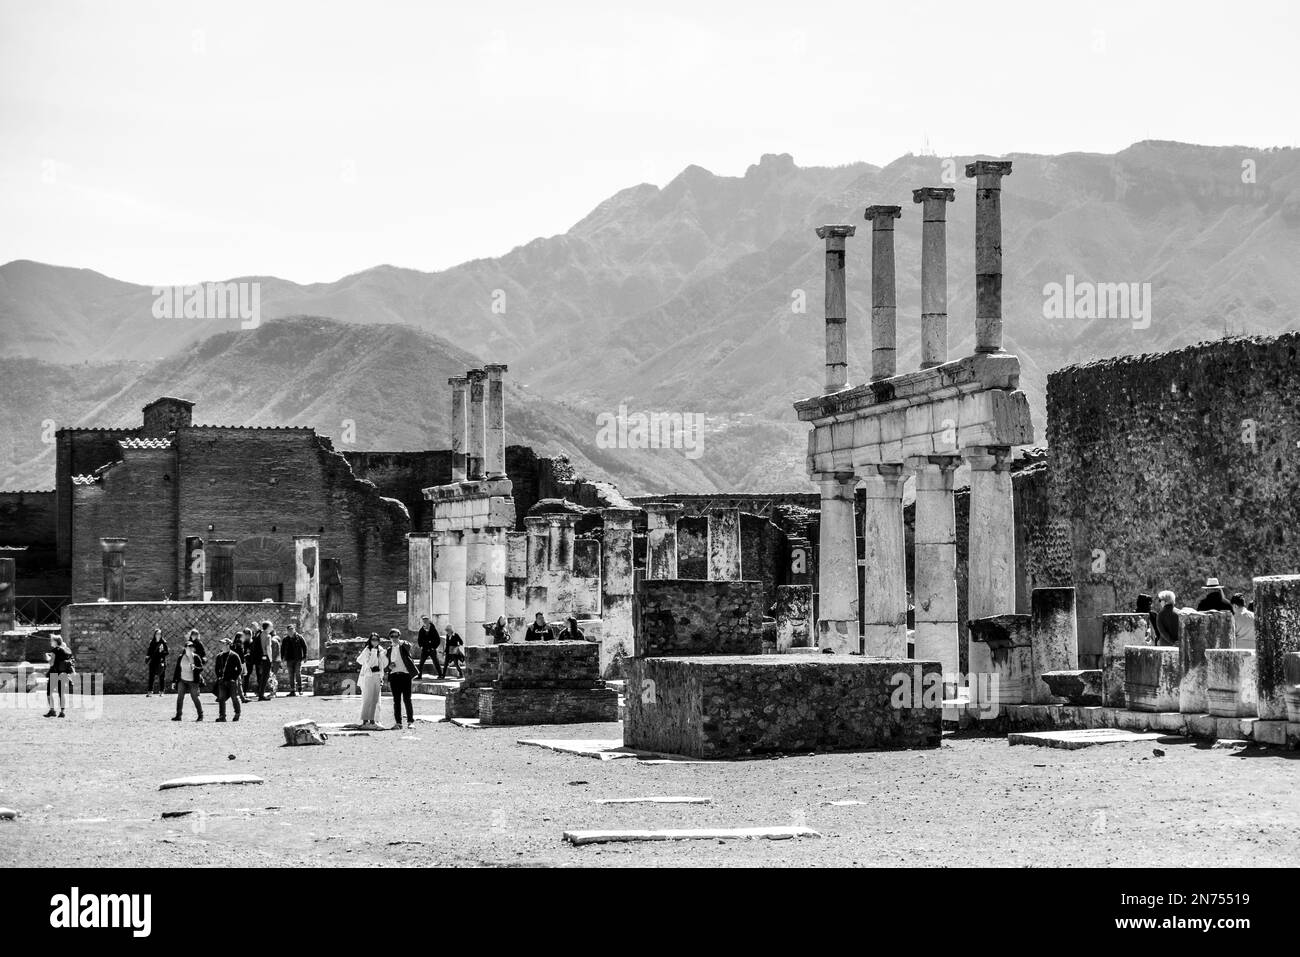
(1277, 634)
(1117, 633)
(1055, 638)
(1270, 732)
(548, 664)
(514, 706)
(737, 706)
(1009, 640)
(1230, 687)
(1202, 725)
(678, 616)
(1197, 632)
(1234, 728)
(1291, 689)
(1152, 678)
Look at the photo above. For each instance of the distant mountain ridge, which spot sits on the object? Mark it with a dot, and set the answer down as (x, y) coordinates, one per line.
(684, 298)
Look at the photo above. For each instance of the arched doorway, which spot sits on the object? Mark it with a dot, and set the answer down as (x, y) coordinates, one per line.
(263, 569)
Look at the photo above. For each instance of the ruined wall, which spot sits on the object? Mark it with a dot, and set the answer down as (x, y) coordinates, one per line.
(676, 616)
(79, 452)
(1174, 467)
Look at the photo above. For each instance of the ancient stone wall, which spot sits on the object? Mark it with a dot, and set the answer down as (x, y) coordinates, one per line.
(1171, 468)
(677, 616)
(80, 452)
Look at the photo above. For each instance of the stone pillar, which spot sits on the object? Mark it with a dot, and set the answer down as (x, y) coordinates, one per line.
(837, 354)
(452, 562)
(1119, 631)
(793, 613)
(195, 568)
(724, 544)
(988, 252)
(495, 451)
(495, 596)
(8, 594)
(419, 578)
(1055, 639)
(661, 539)
(536, 593)
(934, 273)
(1009, 640)
(1151, 678)
(478, 556)
(440, 586)
(559, 578)
(837, 582)
(1231, 685)
(476, 424)
(459, 422)
(114, 559)
(516, 584)
(306, 590)
(884, 591)
(1277, 633)
(1198, 631)
(617, 589)
(221, 569)
(991, 587)
(884, 308)
(935, 593)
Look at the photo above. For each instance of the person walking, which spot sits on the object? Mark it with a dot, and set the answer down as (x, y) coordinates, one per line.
(455, 652)
(539, 630)
(259, 658)
(187, 676)
(1243, 624)
(246, 658)
(428, 641)
(273, 673)
(400, 671)
(156, 656)
(371, 660)
(294, 650)
(229, 671)
(60, 675)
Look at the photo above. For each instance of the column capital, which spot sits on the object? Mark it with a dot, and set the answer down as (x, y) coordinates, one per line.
(994, 458)
(618, 514)
(315, 536)
(882, 217)
(458, 380)
(112, 544)
(886, 470)
(496, 368)
(667, 509)
(843, 478)
(476, 375)
(934, 197)
(988, 172)
(832, 233)
(917, 463)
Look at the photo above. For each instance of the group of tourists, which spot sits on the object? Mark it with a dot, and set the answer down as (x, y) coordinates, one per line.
(428, 640)
(1164, 620)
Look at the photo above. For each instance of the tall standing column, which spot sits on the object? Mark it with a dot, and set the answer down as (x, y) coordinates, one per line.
(306, 590)
(837, 349)
(884, 590)
(195, 568)
(452, 561)
(563, 539)
(440, 587)
(884, 307)
(495, 453)
(459, 423)
(8, 594)
(114, 558)
(934, 273)
(661, 539)
(935, 592)
(419, 578)
(617, 589)
(837, 562)
(988, 252)
(516, 581)
(221, 569)
(477, 423)
(992, 551)
(477, 558)
(536, 593)
(495, 583)
(724, 544)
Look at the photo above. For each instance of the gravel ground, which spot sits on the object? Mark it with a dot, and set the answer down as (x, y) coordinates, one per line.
(87, 792)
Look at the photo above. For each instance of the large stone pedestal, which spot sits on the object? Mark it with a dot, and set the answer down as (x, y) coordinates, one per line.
(1151, 678)
(550, 682)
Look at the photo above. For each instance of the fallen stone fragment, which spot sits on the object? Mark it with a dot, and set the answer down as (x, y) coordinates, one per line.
(1230, 744)
(852, 802)
(305, 732)
(578, 838)
(199, 780)
(1158, 752)
(658, 799)
(345, 734)
(1085, 738)
(8, 814)
(170, 814)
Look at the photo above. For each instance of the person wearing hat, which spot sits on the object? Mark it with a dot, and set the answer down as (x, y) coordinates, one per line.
(228, 667)
(400, 671)
(1213, 600)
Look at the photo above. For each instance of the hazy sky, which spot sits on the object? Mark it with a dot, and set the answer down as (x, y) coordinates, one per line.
(174, 142)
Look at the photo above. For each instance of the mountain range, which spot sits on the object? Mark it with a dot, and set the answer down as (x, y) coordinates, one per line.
(701, 297)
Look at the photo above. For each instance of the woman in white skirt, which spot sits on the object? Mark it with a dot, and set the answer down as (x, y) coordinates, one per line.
(372, 663)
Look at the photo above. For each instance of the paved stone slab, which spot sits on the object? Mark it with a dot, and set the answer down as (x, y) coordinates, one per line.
(1085, 738)
(665, 799)
(578, 838)
(466, 722)
(607, 749)
(200, 780)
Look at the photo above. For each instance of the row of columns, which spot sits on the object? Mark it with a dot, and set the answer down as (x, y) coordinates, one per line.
(723, 542)
(478, 429)
(458, 579)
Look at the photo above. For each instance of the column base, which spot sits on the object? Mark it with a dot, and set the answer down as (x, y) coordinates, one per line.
(838, 637)
(885, 641)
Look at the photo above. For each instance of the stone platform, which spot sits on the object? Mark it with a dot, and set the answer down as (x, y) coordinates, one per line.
(733, 706)
(1048, 717)
(542, 682)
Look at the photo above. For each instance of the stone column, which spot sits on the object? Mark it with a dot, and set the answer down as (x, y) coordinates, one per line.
(988, 252)
(1277, 634)
(477, 559)
(724, 544)
(884, 308)
(617, 588)
(452, 563)
(560, 554)
(419, 578)
(934, 273)
(306, 590)
(195, 568)
(935, 593)
(440, 586)
(114, 559)
(536, 593)
(495, 590)
(991, 587)
(661, 539)
(8, 594)
(516, 584)
(884, 612)
(459, 421)
(837, 354)
(1055, 633)
(476, 424)
(221, 569)
(837, 582)
(495, 452)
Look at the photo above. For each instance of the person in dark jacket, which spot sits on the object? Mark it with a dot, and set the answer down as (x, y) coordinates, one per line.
(259, 658)
(428, 641)
(571, 631)
(499, 632)
(250, 669)
(229, 669)
(1214, 599)
(539, 630)
(156, 656)
(59, 677)
(455, 652)
(188, 675)
(294, 651)
(240, 647)
(1167, 620)
(400, 671)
